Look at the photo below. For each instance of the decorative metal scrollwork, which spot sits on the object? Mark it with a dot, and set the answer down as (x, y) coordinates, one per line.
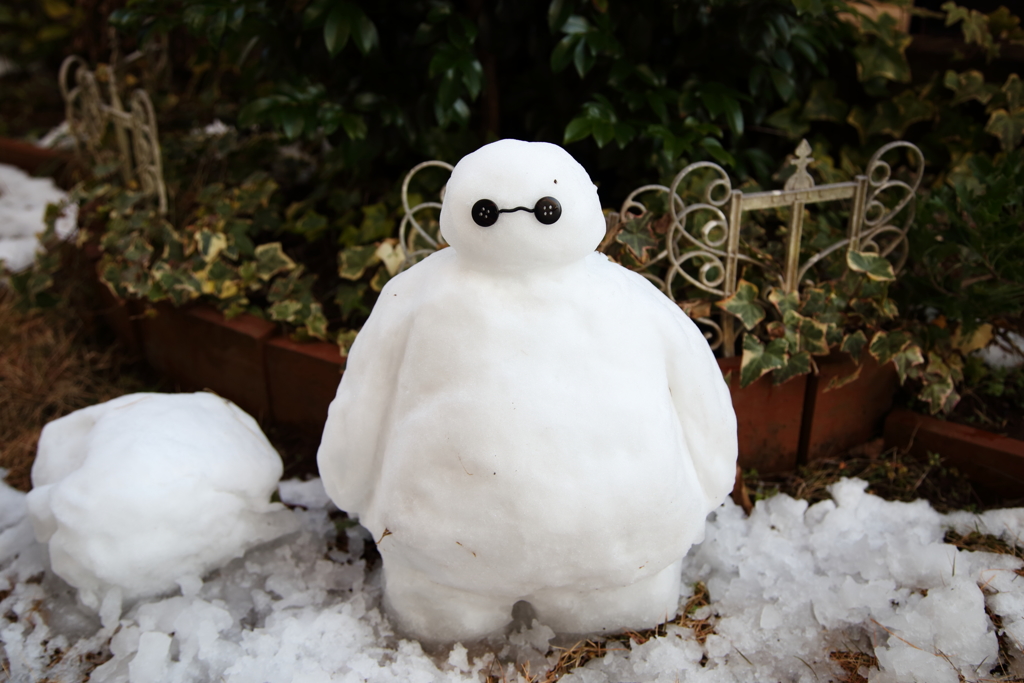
(413, 252)
(879, 233)
(88, 118)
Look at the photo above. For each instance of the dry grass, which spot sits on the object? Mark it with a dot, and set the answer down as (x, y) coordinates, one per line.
(53, 362)
(572, 658)
(851, 663)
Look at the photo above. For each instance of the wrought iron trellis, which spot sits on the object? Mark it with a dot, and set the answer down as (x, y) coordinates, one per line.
(715, 252)
(88, 117)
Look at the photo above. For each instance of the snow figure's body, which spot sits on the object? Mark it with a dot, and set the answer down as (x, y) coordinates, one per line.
(146, 490)
(522, 419)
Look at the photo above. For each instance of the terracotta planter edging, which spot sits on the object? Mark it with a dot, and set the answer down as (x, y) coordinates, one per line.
(994, 461)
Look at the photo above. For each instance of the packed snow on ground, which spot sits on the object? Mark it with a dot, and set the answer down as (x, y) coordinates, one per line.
(23, 201)
(789, 585)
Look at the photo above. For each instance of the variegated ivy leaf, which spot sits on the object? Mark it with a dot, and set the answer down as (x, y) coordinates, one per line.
(286, 311)
(379, 279)
(939, 394)
(316, 322)
(978, 339)
(874, 266)
(271, 260)
(812, 336)
(354, 261)
(853, 344)
(345, 340)
(815, 301)
(784, 301)
(180, 285)
(248, 276)
(887, 308)
(219, 279)
(744, 305)
(758, 359)
(391, 254)
(210, 244)
(885, 345)
(797, 364)
(137, 249)
(234, 307)
(637, 236)
(907, 358)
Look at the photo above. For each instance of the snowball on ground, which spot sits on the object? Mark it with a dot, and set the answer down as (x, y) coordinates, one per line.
(23, 202)
(144, 491)
(789, 585)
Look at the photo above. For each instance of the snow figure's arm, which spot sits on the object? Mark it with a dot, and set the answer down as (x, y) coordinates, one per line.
(353, 438)
(704, 406)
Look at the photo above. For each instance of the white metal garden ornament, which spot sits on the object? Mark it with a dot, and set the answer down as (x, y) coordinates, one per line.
(523, 420)
(88, 118)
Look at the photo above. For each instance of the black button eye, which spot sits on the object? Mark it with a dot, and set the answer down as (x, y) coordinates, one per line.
(547, 210)
(485, 213)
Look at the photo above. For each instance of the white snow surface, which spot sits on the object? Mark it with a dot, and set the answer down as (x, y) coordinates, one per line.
(137, 494)
(516, 407)
(23, 201)
(788, 585)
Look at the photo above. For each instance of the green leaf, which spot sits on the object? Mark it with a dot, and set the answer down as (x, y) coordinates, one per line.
(788, 120)
(337, 28)
(603, 132)
(562, 55)
(784, 84)
(271, 260)
(885, 345)
(379, 279)
(969, 85)
(881, 60)
(210, 244)
(823, 104)
(758, 360)
(354, 261)
(853, 344)
(798, 364)
(939, 394)
(287, 311)
(715, 149)
(744, 305)
(345, 341)
(874, 266)
(558, 13)
(784, 301)
(292, 122)
(583, 58)
(579, 128)
(576, 25)
(316, 321)
(365, 35)
(813, 7)
(907, 358)
(811, 334)
(636, 235)
(1007, 126)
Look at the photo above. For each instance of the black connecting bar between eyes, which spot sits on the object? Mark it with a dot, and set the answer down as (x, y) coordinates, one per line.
(547, 210)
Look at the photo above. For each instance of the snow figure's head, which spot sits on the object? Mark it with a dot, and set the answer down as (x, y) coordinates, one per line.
(515, 206)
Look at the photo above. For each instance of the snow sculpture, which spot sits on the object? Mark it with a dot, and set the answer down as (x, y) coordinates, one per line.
(145, 490)
(523, 420)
